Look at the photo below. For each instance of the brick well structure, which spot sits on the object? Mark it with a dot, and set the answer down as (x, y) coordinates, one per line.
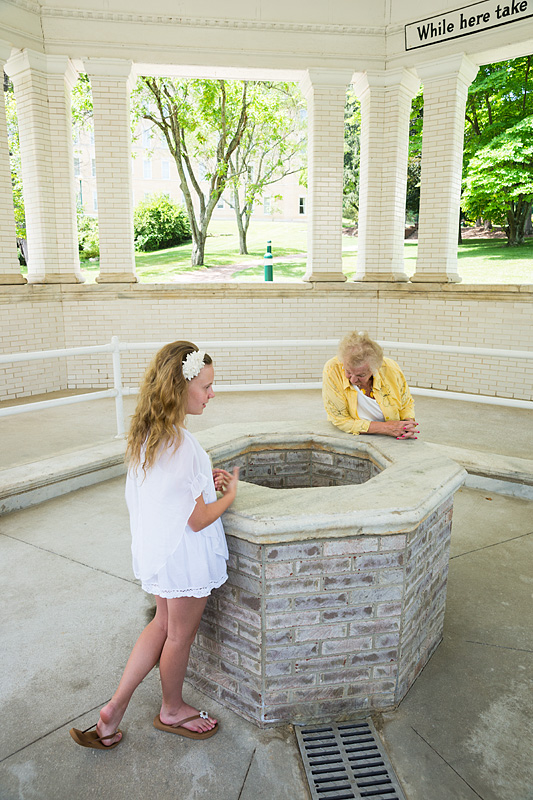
(323, 617)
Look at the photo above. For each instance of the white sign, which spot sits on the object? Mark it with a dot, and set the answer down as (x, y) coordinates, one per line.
(464, 21)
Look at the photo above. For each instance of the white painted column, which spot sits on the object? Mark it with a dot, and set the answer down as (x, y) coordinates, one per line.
(325, 90)
(446, 83)
(111, 82)
(385, 111)
(9, 264)
(43, 86)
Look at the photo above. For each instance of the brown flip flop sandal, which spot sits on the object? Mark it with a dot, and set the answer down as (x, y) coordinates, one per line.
(86, 739)
(177, 727)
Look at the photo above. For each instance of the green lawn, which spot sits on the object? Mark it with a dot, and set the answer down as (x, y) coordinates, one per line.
(480, 261)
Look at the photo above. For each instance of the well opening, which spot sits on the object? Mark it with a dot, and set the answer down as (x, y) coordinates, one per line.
(300, 465)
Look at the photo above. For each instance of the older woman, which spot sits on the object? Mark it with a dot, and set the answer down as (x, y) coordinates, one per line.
(364, 392)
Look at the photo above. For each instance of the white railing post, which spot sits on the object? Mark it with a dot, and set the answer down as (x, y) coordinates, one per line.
(117, 385)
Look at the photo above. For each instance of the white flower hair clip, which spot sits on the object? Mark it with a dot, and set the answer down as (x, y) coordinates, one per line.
(192, 364)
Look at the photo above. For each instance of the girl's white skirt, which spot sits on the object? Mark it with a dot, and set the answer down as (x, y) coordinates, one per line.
(197, 566)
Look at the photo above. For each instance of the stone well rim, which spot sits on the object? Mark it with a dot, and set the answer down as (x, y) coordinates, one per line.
(414, 480)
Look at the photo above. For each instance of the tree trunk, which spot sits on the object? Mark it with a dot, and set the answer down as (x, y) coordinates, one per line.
(515, 226)
(528, 228)
(23, 247)
(516, 219)
(460, 233)
(198, 249)
(243, 248)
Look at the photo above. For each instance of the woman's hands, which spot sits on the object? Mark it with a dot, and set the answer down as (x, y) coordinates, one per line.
(399, 428)
(226, 481)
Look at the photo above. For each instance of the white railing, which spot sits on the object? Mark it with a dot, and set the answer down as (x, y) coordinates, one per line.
(118, 392)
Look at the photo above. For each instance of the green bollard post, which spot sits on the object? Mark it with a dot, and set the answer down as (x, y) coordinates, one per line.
(269, 276)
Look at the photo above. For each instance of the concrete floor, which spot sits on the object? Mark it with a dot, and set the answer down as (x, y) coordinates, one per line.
(71, 612)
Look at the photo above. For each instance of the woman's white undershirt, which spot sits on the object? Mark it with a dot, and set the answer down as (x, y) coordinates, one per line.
(367, 407)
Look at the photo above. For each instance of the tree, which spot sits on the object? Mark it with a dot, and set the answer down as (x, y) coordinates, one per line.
(414, 160)
(271, 147)
(202, 122)
(352, 133)
(16, 170)
(412, 199)
(207, 125)
(498, 99)
(499, 184)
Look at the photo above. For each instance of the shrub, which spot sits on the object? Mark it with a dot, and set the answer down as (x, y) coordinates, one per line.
(159, 222)
(88, 240)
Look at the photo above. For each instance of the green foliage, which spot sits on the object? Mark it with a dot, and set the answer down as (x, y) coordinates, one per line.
(499, 184)
(88, 241)
(499, 97)
(159, 223)
(82, 103)
(352, 133)
(14, 157)
(416, 122)
(414, 162)
(412, 201)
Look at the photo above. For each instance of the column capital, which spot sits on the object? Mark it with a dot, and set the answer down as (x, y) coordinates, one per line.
(459, 66)
(386, 79)
(25, 60)
(5, 51)
(113, 68)
(325, 77)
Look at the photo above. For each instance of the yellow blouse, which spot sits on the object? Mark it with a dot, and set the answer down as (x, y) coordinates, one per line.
(390, 390)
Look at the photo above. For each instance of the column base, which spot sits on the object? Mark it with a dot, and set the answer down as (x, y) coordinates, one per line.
(117, 277)
(12, 280)
(436, 277)
(324, 277)
(58, 277)
(389, 277)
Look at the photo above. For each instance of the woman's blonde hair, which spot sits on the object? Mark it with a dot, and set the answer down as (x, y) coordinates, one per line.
(162, 404)
(358, 348)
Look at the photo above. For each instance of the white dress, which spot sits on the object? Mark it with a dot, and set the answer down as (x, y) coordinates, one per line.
(169, 558)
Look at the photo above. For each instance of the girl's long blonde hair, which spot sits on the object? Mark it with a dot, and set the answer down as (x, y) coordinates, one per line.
(162, 404)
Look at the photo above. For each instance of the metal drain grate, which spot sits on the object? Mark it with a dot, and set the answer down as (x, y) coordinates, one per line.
(346, 761)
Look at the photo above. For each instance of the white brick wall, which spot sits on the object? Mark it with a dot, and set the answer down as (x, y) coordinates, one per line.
(46, 317)
(26, 326)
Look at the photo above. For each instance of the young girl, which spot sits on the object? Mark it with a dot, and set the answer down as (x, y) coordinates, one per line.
(178, 544)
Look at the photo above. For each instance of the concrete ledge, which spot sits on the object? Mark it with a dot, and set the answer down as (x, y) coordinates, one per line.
(493, 472)
(29, 484)
(33, 483)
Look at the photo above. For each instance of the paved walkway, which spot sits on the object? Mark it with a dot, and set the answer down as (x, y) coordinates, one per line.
(71, 611)
(228, 272)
